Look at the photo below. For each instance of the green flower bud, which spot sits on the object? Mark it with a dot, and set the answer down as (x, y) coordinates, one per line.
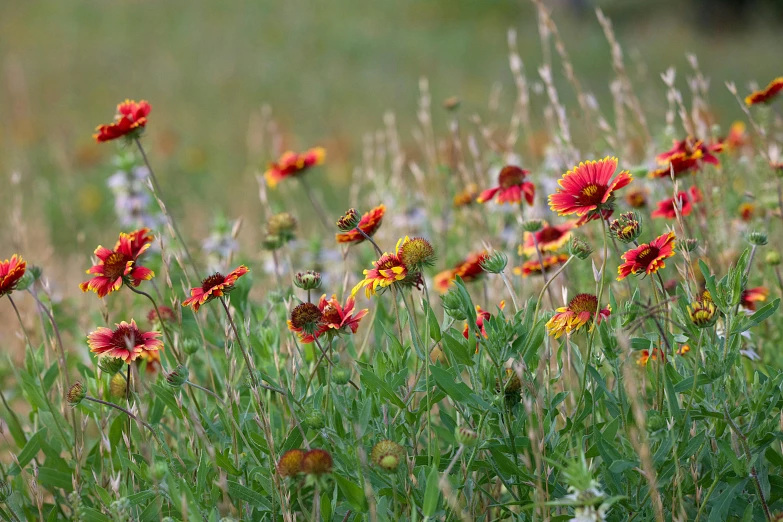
(387, 455)
(579, 248)
(466, 437)
(452, 303)
(627, 227)
(533, 225)
(495, 262)
(689, 245)
(757, 238)
(282, 226)
(178, 376)
(315, 419)
(341, 375)
(772, 258)
(76, 394)
(110, 365)
(190, 346)
(309, 280)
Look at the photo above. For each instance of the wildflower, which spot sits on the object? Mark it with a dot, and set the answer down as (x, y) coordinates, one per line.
(130, 120)
(588, 187)
(309, 280)
(166, 315)
(389, 269)
(369, 224)
(216, 285)
(702, 312)
(495, 262)
(636, 197)
(305, 320)
(604, 214)
(293, 164)
(317, 462)
(416, 253)
(336, 318)
(76, 393)
(737, 137)
(177, 377)
(511, 383)
(666, 207)
(126, 341)
(582, 310)
(11, 271)
(120, 265)
(466, 436)
(579, 248)
(282, 226)
(349, 220)
(467, 196)
(686, 156)
(511, 187)
(290, 463)
(387, 455)
(752, 296)
(746, 211)
(118, 386)
(534, 267)
(469, 270)
(683, 350)
(133, 203)
(767, 94)
(481, 316)
(110, 365)
(627, 227)
(550, 238)
(647, 257)
(646, 355)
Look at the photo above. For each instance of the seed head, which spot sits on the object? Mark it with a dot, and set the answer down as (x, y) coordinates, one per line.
(290, 463)
(387, 455)
(417, 253)
(349, 220)
(317, 462)
(76, 394)
(308, 280)
(306, 316)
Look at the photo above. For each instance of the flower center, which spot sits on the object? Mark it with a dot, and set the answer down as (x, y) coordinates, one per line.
(647, 256)
(510, 176)
(125, 337)
(583, 303)
(306, 316)
(387, 261)
(549, 234)
(331, 315)
(114, 266)
(212, 281)
(592, 194)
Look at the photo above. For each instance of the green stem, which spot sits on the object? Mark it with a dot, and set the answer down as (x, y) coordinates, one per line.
(541, 294)
(250, 368)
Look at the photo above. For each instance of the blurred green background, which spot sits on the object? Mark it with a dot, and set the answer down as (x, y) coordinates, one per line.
(329, 69)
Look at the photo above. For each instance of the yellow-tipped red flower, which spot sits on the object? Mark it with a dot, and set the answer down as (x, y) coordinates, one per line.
(469, 270)
(216, 285)
(534, 267)
(131, 118)
(11, 271)
(125, 342)
(481, 316)
(511, 188)
(751, 296)
(293, 164)
(328, 317)
(588, 187)
(767, 94)
(666, 208)
(686, 156)
(581, 310)
(369, 224)
(119, 265)
(388, 269)
(549, 238)
(647, 257)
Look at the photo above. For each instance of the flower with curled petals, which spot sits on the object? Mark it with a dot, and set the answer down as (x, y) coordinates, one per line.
(130, 120)
(481, 316)
(751, 296)
(666, 208)
(119, 265)
(293, 164)
(647, 258)
(550, 238)
(369, 224)
(511, 188)
(686, 156)
(125, 342)
(767, 94)
(588, 187)
(469, 270)
(581, 310)
(11, 271)
(216, 285)
(533, 266)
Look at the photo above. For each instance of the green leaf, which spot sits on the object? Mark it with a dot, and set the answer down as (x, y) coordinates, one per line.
(671, 396)
(55, 479)
(93, 515)
(225, 462)
(240, 492)
(434, 327)
(374, 383)
(723, 502)
(457, 391)
(353, 493)
(457, 348)
(758, 316)
(431, 493)
(326, 507)
(29, 451)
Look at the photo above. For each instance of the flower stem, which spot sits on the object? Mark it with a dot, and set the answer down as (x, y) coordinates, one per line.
(163, 326)
(510, 290)
(248, 363)
(541, 294)
(368, 238)
(316, 205)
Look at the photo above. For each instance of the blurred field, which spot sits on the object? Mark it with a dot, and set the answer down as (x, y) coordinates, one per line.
(328, 69)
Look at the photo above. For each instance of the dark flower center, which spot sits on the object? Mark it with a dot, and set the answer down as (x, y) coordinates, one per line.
(387, 261)
(125, 337)
(114, 266)
(549, 234)
(306, 316)
(647, 256)
(510, 176)
(331, 315)
(212, 281)
(592, 194)
(583, 303)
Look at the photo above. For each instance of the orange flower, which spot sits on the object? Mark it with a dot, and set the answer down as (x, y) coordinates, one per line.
(388, 269)
(130, 119)
(737, 137)
(333, 319)
(666, 207)
(481, 316)
(293, 164)
(746, 211)
(549, 239)
(467, 196)
(636, 197)
(588, 187)
(581, 310)
(647, 257)
(683, 350)
(125, 342)
(646, 355)
(533, 267)
(469, 270)
(686, 156)
(511, 187)
(290, 463)
(120, 265)
(369, 224)
(765, 95)
(752, 296)
(317, 462)
(11, 271)
(216, 285)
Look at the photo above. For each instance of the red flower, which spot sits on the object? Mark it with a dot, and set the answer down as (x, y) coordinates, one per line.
(126, 342)
(647, 257)
(666, 207)
(581, 310)
(216, 285)
(549, 239)
(293, 164)
(469, 270)
(369, 224)
(737, 137)
(686, 156)
(636, 198)
(388, 269)
(533, 267)
(604, 214)
(511, 187)
(765, 95)
(747, 211)
(751, 296)
(130, 118)
(481, 316)
(588, 187)
(11, 271)
(119, 265)
(166, 315)
(317, 462)
(334, 319)
(646, 355)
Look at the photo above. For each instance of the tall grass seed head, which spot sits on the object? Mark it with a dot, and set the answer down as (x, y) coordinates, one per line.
(495, 262)
(76, 393)
(627, 227)
(416, 253)
(579, 248)
(306, 317)
(349, 220)
(308, 280)
(387, 455)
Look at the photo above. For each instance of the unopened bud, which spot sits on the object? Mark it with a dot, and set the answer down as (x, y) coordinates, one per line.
(309, 280)
(466, 437)
(495, 262)
(76, 394)
(178, 376)
(579, 248)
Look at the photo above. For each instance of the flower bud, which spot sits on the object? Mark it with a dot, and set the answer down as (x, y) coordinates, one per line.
(317, 462)
(271, 242)
(76, 394)
(772, 258)
(177, 377)
(316, 419)
(627, 227)
(387, 455)
(416, 253)
(341, 375)
(118, 386)
(308, 280)
(702, 313)
(31, 275)
(495, 262)
(466, 437)
(349, 220)
(190, 346)
(452, 304)
(533, 225)
(579, 248)
(689, 245)
(757, 238)
(110, 365)
(282, 225)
